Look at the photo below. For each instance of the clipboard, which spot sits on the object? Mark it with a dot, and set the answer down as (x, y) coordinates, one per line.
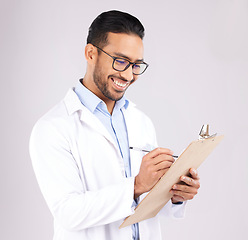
(192, 157)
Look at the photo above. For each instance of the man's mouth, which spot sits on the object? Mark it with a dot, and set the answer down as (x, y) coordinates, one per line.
(120, 84)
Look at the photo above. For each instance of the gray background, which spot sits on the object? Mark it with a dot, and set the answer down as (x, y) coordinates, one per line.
(198, 56)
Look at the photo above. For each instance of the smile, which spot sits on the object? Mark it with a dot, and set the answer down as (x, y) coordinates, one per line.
(120, 84)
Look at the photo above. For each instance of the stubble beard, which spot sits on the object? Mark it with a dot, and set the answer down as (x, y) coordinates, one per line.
(102, 85)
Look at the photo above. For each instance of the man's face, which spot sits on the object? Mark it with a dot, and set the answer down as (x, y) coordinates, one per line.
(111, 84)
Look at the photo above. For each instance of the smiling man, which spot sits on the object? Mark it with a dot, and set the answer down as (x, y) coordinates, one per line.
(80, 149)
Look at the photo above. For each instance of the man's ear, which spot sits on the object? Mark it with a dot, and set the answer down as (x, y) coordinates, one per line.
(91, 53)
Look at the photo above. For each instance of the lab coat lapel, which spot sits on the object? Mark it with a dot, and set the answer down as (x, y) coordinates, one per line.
(132, 136)
(91, 120)
(73, 104)
(133, 139)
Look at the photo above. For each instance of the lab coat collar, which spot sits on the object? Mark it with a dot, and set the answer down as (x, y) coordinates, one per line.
(72, 102)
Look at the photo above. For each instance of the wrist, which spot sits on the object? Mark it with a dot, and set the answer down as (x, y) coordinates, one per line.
(137, 188)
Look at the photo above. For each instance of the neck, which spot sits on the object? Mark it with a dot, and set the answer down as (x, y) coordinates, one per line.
(110, 107)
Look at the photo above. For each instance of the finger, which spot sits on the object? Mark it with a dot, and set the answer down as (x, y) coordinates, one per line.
(177, 198)
(163, 165)
(162, 158)
(152, 166)
(158, 151)
(184, 195)
(190, 181)
(194, 173)
(185, 188)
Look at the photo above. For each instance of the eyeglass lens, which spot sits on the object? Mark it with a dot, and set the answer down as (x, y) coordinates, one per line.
(121, 64)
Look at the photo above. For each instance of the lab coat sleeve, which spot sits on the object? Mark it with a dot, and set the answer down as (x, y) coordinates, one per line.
(178, 211)
(173, 210)
(72, 206)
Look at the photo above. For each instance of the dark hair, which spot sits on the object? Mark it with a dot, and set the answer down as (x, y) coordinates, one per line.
(116, 22)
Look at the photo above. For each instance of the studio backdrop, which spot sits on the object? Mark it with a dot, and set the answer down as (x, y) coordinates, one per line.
(198, 70)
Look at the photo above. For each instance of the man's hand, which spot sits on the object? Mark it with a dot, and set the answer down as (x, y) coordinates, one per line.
(153, 166)
(187, 188)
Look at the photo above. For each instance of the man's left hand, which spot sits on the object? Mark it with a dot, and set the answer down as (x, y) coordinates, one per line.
(187, 188)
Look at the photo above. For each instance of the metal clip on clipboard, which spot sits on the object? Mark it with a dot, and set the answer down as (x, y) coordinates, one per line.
(204, 133)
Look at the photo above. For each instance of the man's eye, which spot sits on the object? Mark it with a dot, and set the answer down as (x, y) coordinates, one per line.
(120, 61)
(136, 66)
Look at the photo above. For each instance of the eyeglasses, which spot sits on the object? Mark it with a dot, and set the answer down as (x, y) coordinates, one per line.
(122, 64)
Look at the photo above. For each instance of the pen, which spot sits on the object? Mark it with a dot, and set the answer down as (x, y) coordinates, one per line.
(144, 150)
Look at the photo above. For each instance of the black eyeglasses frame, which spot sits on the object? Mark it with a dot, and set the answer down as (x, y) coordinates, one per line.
(130, 63)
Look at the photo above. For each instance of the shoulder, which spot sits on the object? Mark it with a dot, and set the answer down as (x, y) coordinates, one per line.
(58, 118)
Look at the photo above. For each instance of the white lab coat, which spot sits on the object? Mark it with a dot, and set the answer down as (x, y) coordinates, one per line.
(81, 173)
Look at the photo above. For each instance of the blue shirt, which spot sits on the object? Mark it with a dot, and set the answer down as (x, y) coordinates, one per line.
(115, 124)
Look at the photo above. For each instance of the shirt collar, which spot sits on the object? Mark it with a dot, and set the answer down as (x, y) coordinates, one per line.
(92, 102)
(123, 102)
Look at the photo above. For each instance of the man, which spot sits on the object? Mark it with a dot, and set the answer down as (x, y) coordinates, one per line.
(89, 176)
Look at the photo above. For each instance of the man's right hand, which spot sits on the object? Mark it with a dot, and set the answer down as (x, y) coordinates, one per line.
(153, 166)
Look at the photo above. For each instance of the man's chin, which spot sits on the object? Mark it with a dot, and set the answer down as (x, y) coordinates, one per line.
(117, 97)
